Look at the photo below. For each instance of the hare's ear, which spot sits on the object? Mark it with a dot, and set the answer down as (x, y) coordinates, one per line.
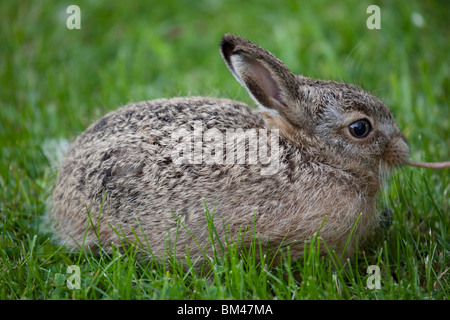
(266, 78)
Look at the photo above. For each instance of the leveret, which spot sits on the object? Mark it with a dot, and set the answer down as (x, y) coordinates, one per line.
(335, 144)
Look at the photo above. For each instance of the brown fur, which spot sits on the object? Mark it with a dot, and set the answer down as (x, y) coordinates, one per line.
(125, 160)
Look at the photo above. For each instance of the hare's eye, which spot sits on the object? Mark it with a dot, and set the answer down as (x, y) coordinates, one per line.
(360, 129)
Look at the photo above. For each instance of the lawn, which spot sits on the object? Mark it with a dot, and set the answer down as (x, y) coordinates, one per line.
(55, 81)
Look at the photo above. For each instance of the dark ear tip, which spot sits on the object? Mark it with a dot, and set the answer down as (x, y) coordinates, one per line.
(227, 45)
(228, 37)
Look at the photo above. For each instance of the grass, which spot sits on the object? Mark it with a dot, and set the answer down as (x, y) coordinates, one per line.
(55, 82)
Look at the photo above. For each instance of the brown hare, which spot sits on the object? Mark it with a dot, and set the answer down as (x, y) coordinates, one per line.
(143, 172)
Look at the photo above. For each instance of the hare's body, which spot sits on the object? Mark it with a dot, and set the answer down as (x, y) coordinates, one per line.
(126, 170)
(121, 168)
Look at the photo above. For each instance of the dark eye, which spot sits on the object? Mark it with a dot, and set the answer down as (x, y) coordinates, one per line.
(360, 129)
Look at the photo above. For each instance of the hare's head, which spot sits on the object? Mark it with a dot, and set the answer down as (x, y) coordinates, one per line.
(337, 124)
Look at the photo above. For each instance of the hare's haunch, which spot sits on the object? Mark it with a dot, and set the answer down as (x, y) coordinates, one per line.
(316, 150)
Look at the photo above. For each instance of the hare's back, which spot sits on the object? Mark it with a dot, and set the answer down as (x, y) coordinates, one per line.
(124, 162)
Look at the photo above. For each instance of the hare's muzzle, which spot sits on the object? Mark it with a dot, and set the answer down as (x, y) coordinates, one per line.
(396, 152)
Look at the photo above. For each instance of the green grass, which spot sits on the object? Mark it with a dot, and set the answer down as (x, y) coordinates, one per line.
(54, 82)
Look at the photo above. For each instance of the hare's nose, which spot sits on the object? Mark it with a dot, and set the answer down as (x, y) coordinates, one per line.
(397, 151)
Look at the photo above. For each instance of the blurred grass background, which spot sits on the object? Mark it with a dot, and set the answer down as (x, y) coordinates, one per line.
(54, 82)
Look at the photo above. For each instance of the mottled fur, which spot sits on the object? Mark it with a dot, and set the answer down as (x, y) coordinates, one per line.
(125, 160)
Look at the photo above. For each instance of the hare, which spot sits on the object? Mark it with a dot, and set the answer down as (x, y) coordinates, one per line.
(145, 171)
